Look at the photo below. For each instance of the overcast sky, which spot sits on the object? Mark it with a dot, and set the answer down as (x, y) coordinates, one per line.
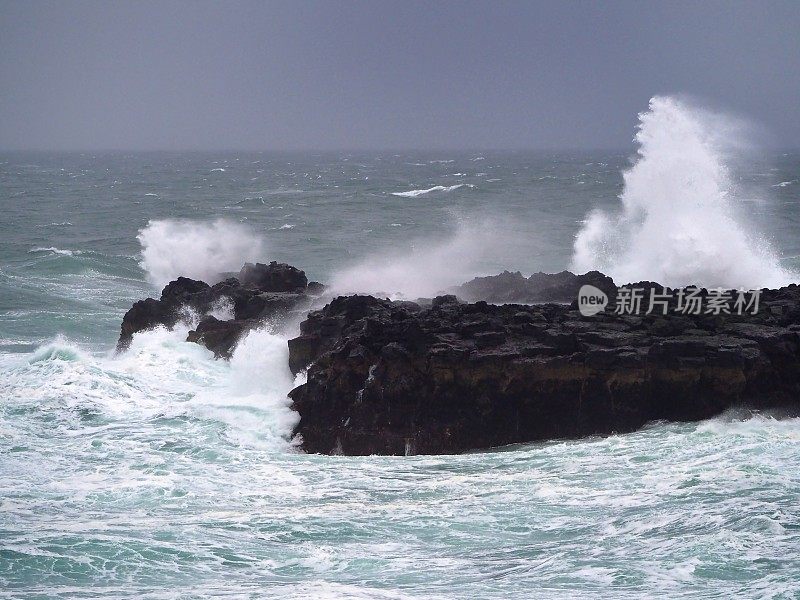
(348, 75)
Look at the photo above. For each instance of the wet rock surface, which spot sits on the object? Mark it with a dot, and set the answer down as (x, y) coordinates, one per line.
(274, 277)
(220, 336)
(398, 378)
(539, 287)
(275, 292)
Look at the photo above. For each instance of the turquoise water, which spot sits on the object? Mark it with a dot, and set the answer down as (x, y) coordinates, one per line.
(162, 473)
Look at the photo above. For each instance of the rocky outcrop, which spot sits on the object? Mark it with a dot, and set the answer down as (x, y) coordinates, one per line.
(398, 378)
(443, 376)
(275, 292)
(539, 287)
(220, 336)
(274, 277)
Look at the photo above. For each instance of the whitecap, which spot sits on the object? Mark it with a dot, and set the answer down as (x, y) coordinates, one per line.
(436, 188)
(54, 250)
(62, 224)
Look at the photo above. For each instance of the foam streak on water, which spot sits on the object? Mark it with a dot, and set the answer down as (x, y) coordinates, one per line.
(165, 471)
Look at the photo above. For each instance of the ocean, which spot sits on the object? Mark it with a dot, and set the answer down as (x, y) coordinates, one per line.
(163, 473)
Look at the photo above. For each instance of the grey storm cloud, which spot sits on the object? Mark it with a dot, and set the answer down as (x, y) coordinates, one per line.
(338, 75)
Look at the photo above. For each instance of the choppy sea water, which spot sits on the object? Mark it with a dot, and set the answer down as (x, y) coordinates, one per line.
(163, 473)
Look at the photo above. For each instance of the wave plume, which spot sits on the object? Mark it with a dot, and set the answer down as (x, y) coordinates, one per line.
(200, 250)
(678, 224)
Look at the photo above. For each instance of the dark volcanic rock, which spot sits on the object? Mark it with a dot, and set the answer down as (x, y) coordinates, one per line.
(276, 293)
(274, 277)
(539, 287)
(186, 292)
(145, 314)
(268, 305)
(395, 378)
(150, 313)
(219, 336)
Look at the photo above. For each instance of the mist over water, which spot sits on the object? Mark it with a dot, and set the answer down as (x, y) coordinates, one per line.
(678, 222)
(429, 266)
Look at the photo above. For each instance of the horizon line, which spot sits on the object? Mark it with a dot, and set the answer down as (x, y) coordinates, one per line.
(328, 150)
(471, 150)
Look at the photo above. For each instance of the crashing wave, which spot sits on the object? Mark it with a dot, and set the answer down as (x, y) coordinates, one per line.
(679, 224)
(200, 250)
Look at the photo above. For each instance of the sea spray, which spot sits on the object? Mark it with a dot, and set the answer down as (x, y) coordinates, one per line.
(247, 395)
(678, 223)
(200, 250)
(253, 399)
(426, 266)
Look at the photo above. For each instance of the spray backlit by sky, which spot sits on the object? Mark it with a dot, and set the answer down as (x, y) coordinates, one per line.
(678, 223)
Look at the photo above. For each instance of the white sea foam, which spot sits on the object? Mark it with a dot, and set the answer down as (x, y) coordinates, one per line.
(436, 188)
(222, 309)
(252, 399)
(163, 374)
(163, 454)
(196, 249)
(678, 223)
